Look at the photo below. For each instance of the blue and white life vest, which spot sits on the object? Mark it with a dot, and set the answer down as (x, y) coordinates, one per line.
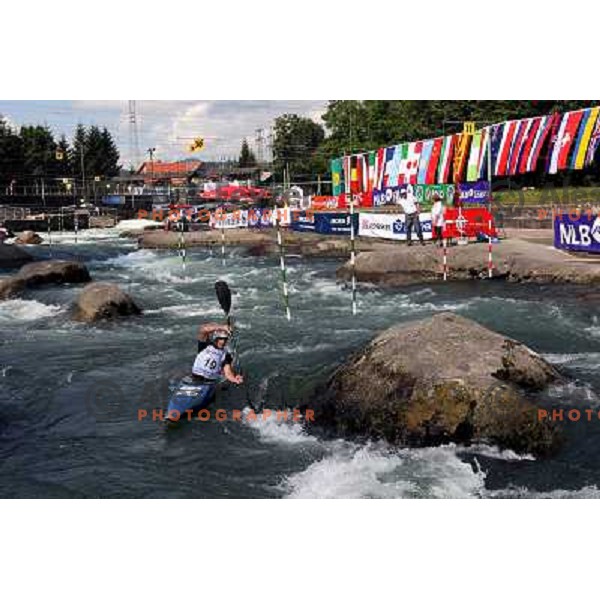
(209, 362)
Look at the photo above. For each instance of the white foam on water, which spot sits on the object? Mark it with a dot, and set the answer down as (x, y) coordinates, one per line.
(495, 452)
(376, 470)
(26, 310)
(185, 310)
(589, 361)
(272, 430)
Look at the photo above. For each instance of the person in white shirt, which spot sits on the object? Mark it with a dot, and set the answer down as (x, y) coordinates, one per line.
(411, 210)
(437, 218)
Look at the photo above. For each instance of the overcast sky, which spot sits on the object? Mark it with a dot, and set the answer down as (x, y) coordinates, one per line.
(166, 125)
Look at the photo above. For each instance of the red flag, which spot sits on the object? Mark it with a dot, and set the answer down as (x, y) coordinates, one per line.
(535, 125)
(570, 133)
(434, 159)
(505, 146)
(513, 160)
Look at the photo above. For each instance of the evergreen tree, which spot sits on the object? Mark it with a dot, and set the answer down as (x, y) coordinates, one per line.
(110, 155)
(247, 158)
(11, 155)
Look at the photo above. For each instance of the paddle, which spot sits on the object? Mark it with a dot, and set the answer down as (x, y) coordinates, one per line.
(224, 297)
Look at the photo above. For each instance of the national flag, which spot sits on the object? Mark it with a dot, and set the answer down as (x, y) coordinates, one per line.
(585, 133)
(386, 166)
(528, 143)
(556, 121)
(409, 166)
(483, 153)
(393, 166)
(540, 137)
(472, 170)
(564, 141)
(497, 133)
(520, 137)
(593, 145)
(337, 181)
(424, 161)
(461, 155)
(508, 138)
(371, 170)
(434, 160)
(446, 159)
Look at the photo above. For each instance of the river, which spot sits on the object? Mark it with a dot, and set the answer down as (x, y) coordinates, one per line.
(70, 392)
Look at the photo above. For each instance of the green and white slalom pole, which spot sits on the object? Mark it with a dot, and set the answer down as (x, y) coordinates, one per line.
(49, 236)
(352, 238)
(182, 251)
(286, 299)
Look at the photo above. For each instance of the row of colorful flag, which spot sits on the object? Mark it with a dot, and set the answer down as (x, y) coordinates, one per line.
(570, 141)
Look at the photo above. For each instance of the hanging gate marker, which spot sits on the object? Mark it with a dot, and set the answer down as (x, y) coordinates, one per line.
(286, 299)
(352, 241)
(76, 226)
(182, 245)
(49, 236)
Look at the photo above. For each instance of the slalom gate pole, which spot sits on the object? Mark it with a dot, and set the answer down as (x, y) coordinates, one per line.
(222, 219)
(286, 300)
(445, 258)
(50, 237)
(489, 163)
(76, 226)
(352, 241)
(182, 245)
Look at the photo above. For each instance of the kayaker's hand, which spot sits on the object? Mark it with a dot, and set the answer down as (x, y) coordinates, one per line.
(238, 379)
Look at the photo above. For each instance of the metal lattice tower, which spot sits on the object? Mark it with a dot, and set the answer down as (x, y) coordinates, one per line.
(134, 140)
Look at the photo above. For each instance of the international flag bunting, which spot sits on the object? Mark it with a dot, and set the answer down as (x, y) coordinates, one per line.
(433, 161)
(528, 143)
(424, 161)
(593, 145)
(564, 141)
(590, 116)
(538, 143)
(472, 170)
(337, 181)
(379, 168)
(409, 165)
(482, 161)
(508, 138)
(461, 155)
(445, 159)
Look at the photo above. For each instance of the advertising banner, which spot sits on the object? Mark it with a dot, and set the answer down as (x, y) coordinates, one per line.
(391, 226)
(337, 223)
(424, 194)
(577, 231)
(229, 220)
(468, 222)
(260, 217)
(389, 196)
(478, 191)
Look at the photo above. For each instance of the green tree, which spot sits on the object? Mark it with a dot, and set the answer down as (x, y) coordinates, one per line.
(296, 143)
(110, 155)
(39, 151)
(11, 154)
(247, 158)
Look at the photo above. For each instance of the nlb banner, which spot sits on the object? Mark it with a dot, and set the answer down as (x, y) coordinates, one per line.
(391, 227)
(389, 195)
(477, 191)
(335, 223)
(578, 232)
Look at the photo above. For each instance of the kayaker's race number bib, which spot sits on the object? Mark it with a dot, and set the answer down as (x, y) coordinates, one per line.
(209, 363)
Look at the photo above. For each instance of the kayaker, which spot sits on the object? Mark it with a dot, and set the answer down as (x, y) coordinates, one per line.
(213, 359)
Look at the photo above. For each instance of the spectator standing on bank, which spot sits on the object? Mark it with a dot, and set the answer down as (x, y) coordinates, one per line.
(437, 218)
(411, 210)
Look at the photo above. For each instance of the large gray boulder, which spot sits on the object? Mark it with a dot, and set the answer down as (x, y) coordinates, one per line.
(103, 301)
(12, 257)
(54, 271)
(442, 379)
(43, 273)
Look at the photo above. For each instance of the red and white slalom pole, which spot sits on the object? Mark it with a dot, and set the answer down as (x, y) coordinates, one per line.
(445, 258)
(490, 260)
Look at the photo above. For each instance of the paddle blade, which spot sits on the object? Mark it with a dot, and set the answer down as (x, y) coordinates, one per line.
(223, 296)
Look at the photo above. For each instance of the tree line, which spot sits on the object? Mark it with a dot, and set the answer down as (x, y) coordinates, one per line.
(32, 154)
(352, 126)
